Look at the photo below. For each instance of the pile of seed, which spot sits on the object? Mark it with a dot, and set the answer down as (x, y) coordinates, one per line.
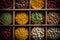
(53, 33)
(37, 17)
(5, 18)
(53, 18)
(53, 4)
(6, 34)
(21, 18)
(37, 4)
(21, 33)
(6, 4)
(37, 33)
(20, 4)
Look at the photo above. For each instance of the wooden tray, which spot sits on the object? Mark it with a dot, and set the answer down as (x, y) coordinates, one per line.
(30, 25)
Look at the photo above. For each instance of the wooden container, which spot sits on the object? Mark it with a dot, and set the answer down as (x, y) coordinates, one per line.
(30, 25)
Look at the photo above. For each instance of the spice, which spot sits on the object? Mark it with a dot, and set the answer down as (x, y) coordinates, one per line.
(5, 18)
(6, 34)
(21, 18)
(21, 33)
(53, 33)
(37, 33)
(53, 18)
(37, 17)
(6, 4)
(37, 4)
(53, 4)
(22, 4)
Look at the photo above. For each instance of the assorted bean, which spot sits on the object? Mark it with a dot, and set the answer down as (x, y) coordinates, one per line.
(53, 33)
(22, 4)
(53, 18)
(37, 17)
(37, 33)
(22, 33)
